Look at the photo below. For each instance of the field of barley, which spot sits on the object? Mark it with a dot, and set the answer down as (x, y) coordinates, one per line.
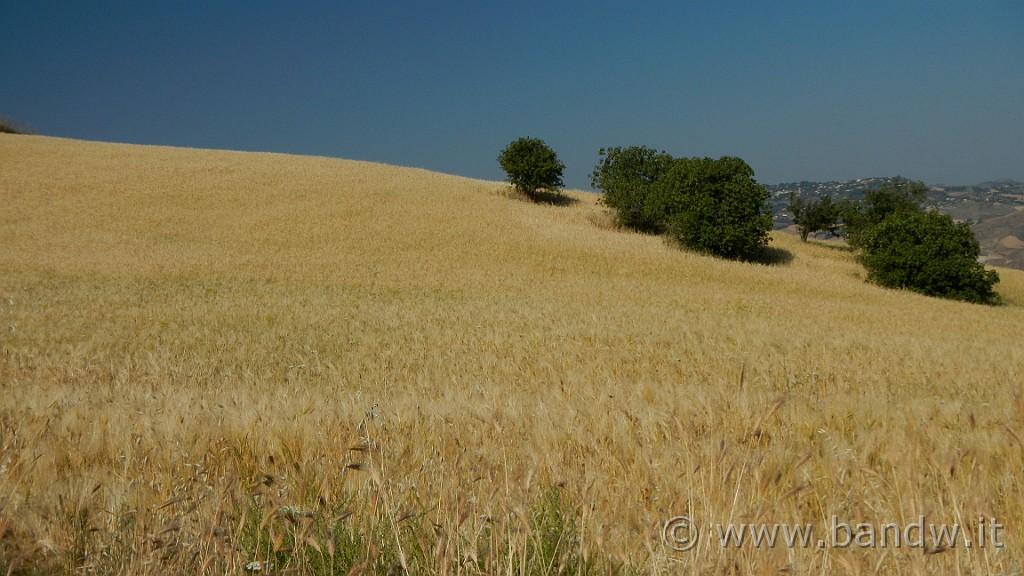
(228, 363)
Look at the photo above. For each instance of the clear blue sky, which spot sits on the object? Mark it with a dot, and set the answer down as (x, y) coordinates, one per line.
(816, 90)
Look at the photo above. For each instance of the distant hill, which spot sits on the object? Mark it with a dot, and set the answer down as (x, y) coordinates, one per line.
(995, 210)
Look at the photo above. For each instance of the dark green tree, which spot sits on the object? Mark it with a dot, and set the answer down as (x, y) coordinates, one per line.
(715, 206)
(532, 166)
(927, 252)
(813, 214)
(897, 195)
(627, 177)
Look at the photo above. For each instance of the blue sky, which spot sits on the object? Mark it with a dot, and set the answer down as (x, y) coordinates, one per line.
(800, 90)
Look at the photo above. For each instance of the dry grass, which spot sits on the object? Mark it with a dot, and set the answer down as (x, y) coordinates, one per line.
(215, 358)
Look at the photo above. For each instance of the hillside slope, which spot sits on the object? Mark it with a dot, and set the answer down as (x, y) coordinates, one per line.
(182, 329)
(1000, 239)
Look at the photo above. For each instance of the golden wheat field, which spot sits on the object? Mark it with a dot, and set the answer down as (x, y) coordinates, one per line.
(229, 363)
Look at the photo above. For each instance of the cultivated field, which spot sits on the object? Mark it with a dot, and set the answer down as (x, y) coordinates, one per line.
(212, 358)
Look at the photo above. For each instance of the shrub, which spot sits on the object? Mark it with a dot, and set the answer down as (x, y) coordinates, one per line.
(712, 206)
(927, 252)
(897, 195)
(627, 177)
(715, 206)
(532, 166)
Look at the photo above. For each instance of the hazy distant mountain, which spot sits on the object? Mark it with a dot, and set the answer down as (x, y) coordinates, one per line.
(994, 209)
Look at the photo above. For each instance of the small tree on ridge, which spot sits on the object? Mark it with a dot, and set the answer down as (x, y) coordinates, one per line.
(532, 166)
(812, 214)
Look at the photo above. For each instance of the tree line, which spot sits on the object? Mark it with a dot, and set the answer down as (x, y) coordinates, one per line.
(716, 207)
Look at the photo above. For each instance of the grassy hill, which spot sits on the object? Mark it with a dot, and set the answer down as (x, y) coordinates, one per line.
(216, 358)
